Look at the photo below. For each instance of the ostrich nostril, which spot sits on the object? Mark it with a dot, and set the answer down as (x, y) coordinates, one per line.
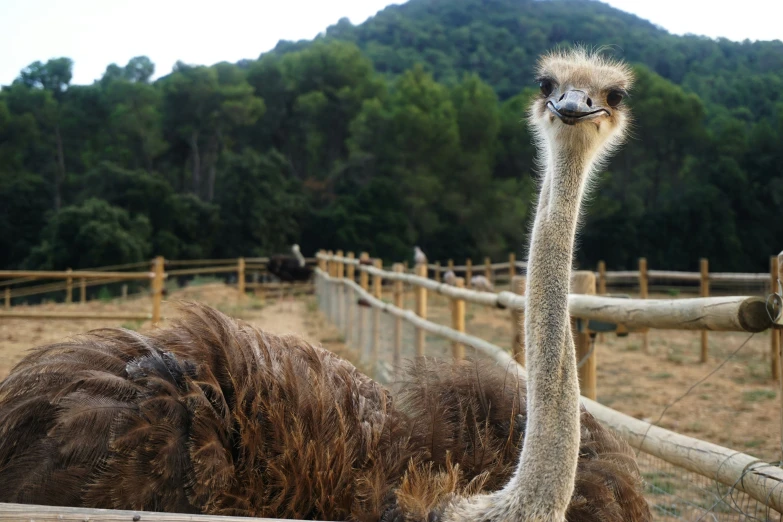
(589, 102)
(561, 97)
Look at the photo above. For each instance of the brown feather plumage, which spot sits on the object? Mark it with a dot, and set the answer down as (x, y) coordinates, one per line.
(211, 415)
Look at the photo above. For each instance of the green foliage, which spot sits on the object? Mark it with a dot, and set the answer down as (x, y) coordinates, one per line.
(408, 129)
(92, 234)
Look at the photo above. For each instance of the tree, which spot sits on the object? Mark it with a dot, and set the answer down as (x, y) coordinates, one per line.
(89, 235)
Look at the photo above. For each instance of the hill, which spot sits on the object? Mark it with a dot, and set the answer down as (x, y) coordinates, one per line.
(404, 130)
(500, 40)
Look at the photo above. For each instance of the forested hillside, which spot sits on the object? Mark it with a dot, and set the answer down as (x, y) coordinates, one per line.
(408, 129)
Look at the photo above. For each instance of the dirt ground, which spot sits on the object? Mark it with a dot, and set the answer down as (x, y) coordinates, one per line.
(738, 406)
(17, 336)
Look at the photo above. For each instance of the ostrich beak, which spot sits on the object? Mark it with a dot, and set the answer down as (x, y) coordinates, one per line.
(575, 106)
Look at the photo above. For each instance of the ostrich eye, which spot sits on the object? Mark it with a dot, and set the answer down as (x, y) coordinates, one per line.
(546, 85)
(614, 97)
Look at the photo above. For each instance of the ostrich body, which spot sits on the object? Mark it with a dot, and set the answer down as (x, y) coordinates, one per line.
(290, 268)
(480, 282)
(211, 415)
(450, 278)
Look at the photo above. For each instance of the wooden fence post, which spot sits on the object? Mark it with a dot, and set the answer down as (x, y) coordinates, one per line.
(157, 290)
(468, 272)
(398, 302)
(377, 292)
(330, 287)
(69, 288)
(704, 291)
(124, 292)
(339, 274)
(421, 311)
(82, 291)
(322, 262)
(583, 282)
(488, 269)
(350, 270)
(7, 298)
(518, 284)
(643, 295)
(437, 271)
(775, 332)
(774, 337)
(364, 283)
(601, 288)
(512, 267)
(458, 321)
(241, 277)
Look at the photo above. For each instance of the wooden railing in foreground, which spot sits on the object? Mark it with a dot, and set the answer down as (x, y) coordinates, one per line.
(58, 513)
(760, 480)
(736, 314)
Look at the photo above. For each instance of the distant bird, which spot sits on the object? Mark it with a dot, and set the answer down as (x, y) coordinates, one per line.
(450, 278)
(298, 254)
(479, 282)
(289, 268)
(419, 257)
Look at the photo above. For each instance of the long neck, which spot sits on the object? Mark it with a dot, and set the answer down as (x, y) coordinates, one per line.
(544, 478)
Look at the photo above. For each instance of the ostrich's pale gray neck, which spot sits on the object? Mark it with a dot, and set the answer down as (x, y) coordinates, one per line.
(545, 474)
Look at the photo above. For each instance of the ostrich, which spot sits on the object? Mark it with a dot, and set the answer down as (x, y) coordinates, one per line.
(578, 120)
(480, 282)
(290, 268)
(298, 254)
(211, 415)
(419, 257)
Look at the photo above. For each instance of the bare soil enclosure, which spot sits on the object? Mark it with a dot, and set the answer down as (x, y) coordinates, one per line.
(738, 406)
(17, 336)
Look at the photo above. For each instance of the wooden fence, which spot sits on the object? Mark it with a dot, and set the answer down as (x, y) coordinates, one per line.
(161, 269)
(759, 480)
(592, 313)
(641, 279)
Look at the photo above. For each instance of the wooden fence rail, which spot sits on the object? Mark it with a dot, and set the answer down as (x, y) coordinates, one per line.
(75, 274)
(738, 314)
(19, 512)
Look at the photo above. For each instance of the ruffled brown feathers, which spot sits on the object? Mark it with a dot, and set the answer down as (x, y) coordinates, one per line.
(211, 415)
(470, 418)
(208, 415)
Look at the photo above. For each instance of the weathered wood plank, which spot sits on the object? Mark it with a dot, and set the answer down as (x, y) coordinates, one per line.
(33, 512)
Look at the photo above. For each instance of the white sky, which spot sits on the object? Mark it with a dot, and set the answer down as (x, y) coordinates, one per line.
(95, 33)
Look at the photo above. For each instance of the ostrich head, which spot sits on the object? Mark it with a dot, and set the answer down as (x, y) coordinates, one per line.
(580, 111)
(297, 254)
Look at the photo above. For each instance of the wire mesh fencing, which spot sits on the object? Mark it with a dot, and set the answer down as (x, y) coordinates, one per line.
(384, 341)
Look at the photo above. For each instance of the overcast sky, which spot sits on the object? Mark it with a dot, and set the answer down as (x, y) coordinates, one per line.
(95, 33)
